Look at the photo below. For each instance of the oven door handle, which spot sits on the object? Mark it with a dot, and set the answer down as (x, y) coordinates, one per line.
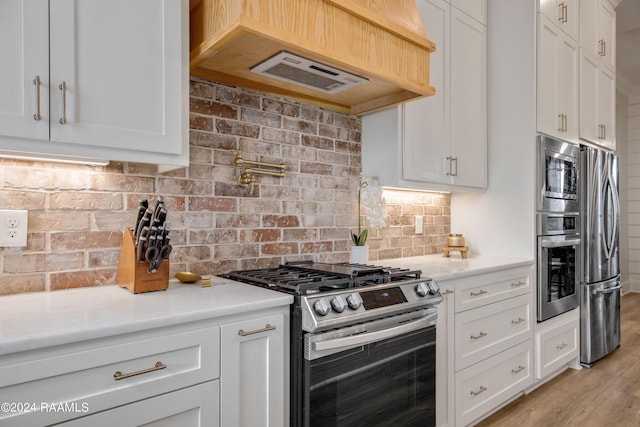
(548, 243)
(369, 337)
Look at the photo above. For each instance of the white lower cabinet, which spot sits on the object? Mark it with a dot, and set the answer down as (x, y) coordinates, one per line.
(252, 373)
(230, 371)
(484, 343)
(487, 384)
(557, 343)
(187, 407)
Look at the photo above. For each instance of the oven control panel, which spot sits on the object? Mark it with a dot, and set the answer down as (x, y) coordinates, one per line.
(349, 306)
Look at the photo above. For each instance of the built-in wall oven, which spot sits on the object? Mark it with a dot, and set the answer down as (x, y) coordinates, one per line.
(558, 260)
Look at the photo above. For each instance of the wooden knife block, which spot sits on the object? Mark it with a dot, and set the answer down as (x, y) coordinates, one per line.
(134, 275)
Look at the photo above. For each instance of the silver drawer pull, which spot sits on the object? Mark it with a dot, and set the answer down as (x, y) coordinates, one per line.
(117, 375)
(520, 320)
(36, 82)
(519, 283)
(267, 328)
(63, 99)
(520, 368)
(480, 292)
(561, 346)
(482, 389)
(477, 337)
(446, 292)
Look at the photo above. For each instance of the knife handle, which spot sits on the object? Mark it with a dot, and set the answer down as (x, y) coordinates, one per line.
(140, 249)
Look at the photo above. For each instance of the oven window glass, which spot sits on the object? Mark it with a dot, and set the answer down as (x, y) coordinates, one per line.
(562, 177)
(561, 280)
(388, 383)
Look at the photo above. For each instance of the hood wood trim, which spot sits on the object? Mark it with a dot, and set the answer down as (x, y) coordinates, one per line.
(381, 40)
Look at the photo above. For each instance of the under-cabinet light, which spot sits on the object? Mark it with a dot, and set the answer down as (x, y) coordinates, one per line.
(89, 161)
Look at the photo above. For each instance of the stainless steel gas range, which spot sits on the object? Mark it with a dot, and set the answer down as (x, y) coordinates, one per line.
(362, 342)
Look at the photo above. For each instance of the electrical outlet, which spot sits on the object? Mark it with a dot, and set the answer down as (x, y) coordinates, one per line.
(13, 228)
(419, 224)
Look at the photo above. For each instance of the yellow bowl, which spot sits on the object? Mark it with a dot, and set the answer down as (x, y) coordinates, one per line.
(187, 277)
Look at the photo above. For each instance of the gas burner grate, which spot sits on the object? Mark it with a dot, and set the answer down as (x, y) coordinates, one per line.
(305, 277)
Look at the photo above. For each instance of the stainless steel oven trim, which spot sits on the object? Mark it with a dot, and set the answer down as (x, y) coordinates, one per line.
(331, 342)
(543, 230)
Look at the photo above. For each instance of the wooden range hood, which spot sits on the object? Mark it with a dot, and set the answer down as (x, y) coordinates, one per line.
(382, 41)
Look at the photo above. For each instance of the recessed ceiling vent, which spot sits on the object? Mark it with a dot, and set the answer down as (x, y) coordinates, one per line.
(296, 69)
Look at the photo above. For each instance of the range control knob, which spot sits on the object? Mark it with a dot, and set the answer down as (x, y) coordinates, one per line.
(433, 287)
(354, 300)
(322, 307)
(338, 303)
(422, 289)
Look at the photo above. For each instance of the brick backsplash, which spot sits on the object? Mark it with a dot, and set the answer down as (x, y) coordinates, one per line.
(77, 213)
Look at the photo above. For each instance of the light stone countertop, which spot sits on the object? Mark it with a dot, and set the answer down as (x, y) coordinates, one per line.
(439, 267)
(37, 320)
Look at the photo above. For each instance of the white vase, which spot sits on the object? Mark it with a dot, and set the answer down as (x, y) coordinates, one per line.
(360, 254)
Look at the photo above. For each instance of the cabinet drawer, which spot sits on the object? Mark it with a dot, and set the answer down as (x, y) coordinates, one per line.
(485, 331)
(557, 346)
(484, 386)
(484, 289)
(107, 373)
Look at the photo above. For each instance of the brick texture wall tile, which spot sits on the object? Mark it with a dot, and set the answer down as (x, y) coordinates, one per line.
(77, 213)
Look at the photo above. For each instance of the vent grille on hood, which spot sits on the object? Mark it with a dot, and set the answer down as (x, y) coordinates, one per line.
(293, 68)
(356, 56)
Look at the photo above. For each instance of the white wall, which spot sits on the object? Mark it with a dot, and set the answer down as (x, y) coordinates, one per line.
(633, 189)
(501, 221)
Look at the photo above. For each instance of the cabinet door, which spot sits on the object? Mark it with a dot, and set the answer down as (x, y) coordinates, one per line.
(24, 50)
(252, 373)
(607, 33)
(606, 103)
(425, 139)
(557, 76)
(468, 89)
(190, 407)
(589, 71)
(564, 13)
(444, 359)
(120, 62)
(477, 9)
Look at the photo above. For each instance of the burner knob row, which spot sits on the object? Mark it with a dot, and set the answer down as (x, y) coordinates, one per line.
(427, 288)
(338, 303)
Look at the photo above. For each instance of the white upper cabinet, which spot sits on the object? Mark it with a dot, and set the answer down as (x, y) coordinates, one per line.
(565, 13)
(438, 142)
(598, 30)
(113, 79)
(557, 80)
(24, 69)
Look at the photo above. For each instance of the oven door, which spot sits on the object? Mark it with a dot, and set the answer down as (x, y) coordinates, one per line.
(380, 376)
(558, 278)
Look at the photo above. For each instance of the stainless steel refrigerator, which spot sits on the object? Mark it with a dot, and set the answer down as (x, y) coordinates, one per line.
(600, 281)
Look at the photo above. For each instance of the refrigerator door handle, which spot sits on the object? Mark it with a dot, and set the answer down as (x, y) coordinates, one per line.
(610, 238)
(608, 290)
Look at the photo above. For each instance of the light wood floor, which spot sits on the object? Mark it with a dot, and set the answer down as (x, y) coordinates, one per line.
(605, 395)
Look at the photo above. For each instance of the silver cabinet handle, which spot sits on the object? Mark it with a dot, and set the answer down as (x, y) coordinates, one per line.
(480, 335)
(520, 368)
(563, 18)
(515, 322)
(267, 328)
(518, 283)
(117, 375)
(36, 82)
(561, 346)
(446, 292)
(455, 159)
(482, 389)
(63, 88)
(480, 292)
(450, 159)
